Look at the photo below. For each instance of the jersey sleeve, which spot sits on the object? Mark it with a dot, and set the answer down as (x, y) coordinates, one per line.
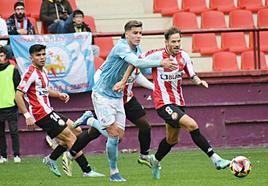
(126, 54)
(26, 81)
(188, 68)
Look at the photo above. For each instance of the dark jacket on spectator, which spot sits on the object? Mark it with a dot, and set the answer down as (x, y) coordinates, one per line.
(12, 29)
(84, 28)
(71, 28)
(48, 11)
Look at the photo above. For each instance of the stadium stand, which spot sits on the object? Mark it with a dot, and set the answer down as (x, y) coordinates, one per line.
(224, 61)
(6, 8)
(185, 20)
(234, 42)
(89, 20)
(252, 5)
(241, 19)
(32, 8)
(106, 44)
(195, 6)
(205, 44)
(73, 4)
(166, 8)
(224, 6)
(263, 41)
(247, 61)
(262, 20)
(213, 19)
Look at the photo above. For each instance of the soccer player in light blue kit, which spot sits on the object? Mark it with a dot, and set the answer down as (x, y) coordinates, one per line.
(108, 104)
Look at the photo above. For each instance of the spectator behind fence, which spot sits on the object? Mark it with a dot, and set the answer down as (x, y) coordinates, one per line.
(55, 14)
(4, 32)
(9, 80)
(18, 24)
(78, 25)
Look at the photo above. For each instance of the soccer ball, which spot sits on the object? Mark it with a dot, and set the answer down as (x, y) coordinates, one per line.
(240, 166)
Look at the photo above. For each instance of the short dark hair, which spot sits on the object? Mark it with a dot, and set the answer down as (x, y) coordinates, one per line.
(78, 12)
(171, 31)
(130, 24)
(19, 3)
(36, 48)
(3, 50)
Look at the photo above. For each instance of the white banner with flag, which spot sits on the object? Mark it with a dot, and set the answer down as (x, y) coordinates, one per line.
(69, 59)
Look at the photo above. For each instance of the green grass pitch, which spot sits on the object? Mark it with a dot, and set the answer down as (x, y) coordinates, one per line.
(179, 168)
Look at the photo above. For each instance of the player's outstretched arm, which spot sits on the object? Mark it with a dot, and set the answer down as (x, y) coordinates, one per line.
(62, 96)
(119, 86)
(21, 104)
(197, 81)
(150, 61)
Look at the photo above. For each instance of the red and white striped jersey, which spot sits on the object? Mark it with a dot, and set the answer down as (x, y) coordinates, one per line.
(128, 93)
(34, 84)
(168, 82)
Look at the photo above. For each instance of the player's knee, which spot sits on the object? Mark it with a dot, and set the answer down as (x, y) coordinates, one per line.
(112, 130)
(172, 140)
(192, 125)
(69, 136)
(77, 131)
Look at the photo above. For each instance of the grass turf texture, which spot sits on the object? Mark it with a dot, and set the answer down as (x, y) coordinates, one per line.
(179, 168)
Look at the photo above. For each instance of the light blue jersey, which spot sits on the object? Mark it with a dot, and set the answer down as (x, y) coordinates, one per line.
(115, 66)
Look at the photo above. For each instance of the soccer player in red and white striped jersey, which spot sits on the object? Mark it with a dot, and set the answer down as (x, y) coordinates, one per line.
(169, 101)
(34, 89)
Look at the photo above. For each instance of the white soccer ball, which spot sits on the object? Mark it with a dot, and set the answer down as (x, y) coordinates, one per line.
(240, 166)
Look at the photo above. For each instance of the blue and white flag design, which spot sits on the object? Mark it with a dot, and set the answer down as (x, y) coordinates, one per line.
(69, 59)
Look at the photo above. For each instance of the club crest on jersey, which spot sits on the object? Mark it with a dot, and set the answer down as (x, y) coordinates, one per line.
(174, 115)
(61, 122)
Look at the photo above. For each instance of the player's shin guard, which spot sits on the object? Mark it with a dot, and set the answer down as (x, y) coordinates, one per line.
(112, 152)
(163, 149)
(201, 142)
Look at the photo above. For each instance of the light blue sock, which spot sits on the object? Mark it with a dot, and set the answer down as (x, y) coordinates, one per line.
(112, 151)
(96, 125)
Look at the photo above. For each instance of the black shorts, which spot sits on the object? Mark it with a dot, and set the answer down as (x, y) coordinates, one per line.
(171, 114)
(53, 124)
(134, 110)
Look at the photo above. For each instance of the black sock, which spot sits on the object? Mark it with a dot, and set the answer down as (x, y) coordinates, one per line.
(163, 149)
(145, 140)
(83, 164)
(57, 152)
(201, 142)
(82, 140)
